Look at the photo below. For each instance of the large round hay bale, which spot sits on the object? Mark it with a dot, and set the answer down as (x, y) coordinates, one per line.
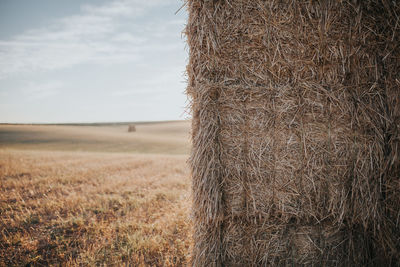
(296, 117)
(131, 128)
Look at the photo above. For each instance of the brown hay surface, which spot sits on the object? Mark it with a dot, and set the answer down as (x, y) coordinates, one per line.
(131, 128)
(296, 118)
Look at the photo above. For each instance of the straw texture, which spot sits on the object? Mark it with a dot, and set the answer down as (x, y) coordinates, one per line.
(296, 121)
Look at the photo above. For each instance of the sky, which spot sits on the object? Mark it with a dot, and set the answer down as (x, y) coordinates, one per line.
(92, 61)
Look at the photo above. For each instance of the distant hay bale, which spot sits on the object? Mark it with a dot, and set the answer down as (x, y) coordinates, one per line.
(132, 128)
(296, 144)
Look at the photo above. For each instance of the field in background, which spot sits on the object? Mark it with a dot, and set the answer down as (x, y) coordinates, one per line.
(160, 138)
(65, 199)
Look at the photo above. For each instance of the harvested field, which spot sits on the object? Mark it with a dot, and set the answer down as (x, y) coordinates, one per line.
(162, 137)
(93, 208)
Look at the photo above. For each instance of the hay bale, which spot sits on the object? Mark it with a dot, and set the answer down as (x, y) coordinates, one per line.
(132, 128)
(296, 118)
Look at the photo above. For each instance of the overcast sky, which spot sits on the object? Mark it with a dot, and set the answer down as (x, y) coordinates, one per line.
(92, 60)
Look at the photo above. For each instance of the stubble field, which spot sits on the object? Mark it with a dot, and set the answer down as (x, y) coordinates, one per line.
(94, 195)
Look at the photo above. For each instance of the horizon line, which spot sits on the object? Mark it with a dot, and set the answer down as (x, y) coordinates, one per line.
(92, 123)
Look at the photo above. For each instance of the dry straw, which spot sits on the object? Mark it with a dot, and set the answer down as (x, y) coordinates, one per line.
(296, 120)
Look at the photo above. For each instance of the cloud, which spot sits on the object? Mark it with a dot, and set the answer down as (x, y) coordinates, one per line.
(126, 37)
(124, 7)
(112, 9)
(33, 91)
(100, 34)
(149, 86)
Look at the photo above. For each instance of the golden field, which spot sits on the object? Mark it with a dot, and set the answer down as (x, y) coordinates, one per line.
(94, 195)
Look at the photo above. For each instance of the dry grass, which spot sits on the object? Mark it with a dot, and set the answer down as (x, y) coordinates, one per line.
(160, 138)
(92, 208)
